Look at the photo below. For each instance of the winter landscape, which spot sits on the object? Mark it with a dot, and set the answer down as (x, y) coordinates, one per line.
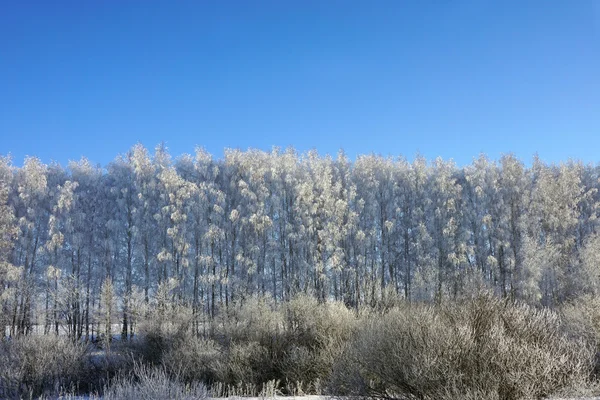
(300, 199)
(292, 274)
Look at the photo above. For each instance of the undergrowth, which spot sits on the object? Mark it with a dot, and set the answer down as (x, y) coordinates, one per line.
(478, 348)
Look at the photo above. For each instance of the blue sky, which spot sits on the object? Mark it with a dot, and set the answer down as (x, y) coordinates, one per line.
(448, 78)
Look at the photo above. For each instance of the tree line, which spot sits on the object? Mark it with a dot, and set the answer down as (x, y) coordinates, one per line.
(205, 233)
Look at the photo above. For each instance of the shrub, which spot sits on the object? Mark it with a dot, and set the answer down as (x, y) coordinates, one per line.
(153, 383)
(36, 365)
(253, 320)
(483, 348)
(250, 335)
(294, 343)
(159, 331)
(315, 336)
(582, 317)
(247, 364)
(193, 359)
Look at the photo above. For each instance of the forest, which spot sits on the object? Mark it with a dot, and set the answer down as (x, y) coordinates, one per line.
(298, 248)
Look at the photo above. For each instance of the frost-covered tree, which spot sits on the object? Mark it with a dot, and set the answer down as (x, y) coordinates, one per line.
(286, 176)
(121, 226)
(483, 222)
(277, 223)
(31, 206)
(443, 222)
(65, 306)
(9, 274)
(376, 187)
(107, 306)
(555, 215)
(146, 224)
(200, 173)
(343, 228)
(89, 179)
(420, 276)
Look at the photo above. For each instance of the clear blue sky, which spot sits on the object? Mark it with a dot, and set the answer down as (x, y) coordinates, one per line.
(448, 78)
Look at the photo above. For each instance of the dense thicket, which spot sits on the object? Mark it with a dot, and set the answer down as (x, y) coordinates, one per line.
(82, 245)
(480, 348)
